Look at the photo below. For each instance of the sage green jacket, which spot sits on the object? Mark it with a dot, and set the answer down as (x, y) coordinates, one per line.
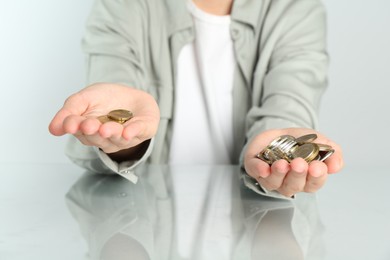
(280, 75)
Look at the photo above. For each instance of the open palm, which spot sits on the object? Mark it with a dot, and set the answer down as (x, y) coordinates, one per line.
(78, 117)
(297, 176)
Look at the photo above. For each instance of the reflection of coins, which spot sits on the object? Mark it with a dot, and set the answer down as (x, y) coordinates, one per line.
(306, 138)
(119, 115)
(307, 151)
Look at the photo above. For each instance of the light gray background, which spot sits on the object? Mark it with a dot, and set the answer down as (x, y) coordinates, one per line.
(41, 63)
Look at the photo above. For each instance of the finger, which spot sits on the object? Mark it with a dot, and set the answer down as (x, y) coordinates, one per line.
(74, 105)
(90, 126)
(317, 175)
(295, 180)
(82, 139)
(257, 168)
(71, 124)
(56, 124)
(335, 162)
(136, 129)
(113, 131)
(279, 170)
(102, 143)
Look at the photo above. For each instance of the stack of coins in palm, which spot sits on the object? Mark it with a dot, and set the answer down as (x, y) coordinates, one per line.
(119, 115)
(288, 148)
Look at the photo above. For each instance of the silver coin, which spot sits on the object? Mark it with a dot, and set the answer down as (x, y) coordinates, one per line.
(325, 147)
(280, 140)
(326, 155)
(307, 151)
(306, 138)
(261, 157)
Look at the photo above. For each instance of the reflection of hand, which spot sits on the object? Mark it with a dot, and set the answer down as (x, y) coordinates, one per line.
(78, 117)
(297, 176)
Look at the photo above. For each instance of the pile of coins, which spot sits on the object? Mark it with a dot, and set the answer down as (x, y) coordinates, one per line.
(119, 115)
(288, 148)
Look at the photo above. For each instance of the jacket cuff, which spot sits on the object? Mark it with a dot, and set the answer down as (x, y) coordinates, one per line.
(125, 169)
(253, 185)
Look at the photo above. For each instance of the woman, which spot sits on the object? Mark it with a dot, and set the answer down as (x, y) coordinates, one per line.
(208, 82)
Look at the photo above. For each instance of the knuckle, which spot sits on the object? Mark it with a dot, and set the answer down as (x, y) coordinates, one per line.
(292, 187)
(279, 173)
(84, 141)
(310, 190)
(266, 185)
(270, 185)
(313, 186)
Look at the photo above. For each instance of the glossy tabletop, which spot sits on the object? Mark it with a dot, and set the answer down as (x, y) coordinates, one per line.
(59, 211)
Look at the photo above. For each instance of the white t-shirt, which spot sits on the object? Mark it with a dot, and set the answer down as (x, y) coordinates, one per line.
(203, 118)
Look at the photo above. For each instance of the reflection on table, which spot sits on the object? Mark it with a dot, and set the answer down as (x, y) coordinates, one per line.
(191, 212)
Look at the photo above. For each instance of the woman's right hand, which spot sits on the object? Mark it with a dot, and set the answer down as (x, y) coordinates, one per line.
(78, 117)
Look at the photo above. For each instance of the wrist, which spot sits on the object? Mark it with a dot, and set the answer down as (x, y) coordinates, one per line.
(130, 154)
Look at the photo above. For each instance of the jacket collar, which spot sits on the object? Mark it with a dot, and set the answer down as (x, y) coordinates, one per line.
(244, 11)
(178, 16)
(247, 11)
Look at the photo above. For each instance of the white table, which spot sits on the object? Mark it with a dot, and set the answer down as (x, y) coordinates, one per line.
(57, 211)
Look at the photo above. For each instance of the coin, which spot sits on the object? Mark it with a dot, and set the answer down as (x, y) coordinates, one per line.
(307, 151)
(325, 155)
(306, 138)
(261, 157)
(103, 119)
(284, 143)
(324, 147)
(120, 115)
(288, 148)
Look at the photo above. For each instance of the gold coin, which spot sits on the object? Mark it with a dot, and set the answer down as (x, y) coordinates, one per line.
(306, 138)
(103, 119)
(307, 151)
(120, 115)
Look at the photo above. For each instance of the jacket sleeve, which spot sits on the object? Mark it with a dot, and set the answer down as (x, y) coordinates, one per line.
(113, 43)
(113, 47)
(296, 76)
(288, 93)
